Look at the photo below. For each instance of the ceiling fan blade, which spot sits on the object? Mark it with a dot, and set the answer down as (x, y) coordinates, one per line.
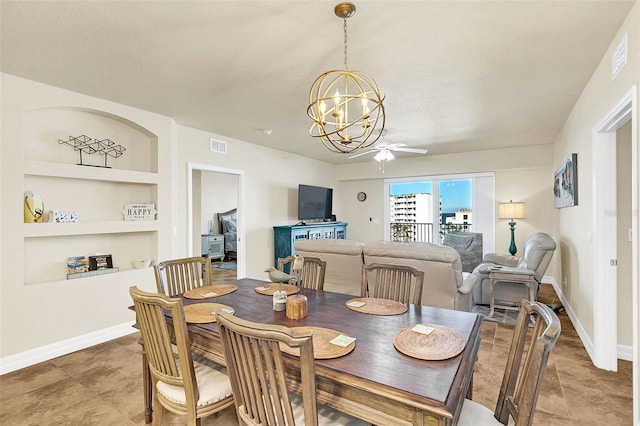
(362, 153)
(414, 150)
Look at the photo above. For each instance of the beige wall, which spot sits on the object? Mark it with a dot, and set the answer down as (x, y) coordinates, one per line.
(574, 224)
(522, 174)
(270, 179)
(35, 313)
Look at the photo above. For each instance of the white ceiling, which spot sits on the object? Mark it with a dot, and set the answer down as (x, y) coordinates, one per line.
(458, 75)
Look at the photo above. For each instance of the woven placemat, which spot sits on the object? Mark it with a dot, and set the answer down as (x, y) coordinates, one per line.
(268, 288)
(210, 291)
(442, 343)
(375, 306)
(202, 313)
(322, 348)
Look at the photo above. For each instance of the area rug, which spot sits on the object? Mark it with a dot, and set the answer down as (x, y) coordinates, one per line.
(502, 316)
(229, 266)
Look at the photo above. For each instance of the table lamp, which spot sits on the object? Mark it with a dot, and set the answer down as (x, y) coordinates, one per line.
(511, 211)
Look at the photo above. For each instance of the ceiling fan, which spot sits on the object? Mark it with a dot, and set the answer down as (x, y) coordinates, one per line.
(384, 151)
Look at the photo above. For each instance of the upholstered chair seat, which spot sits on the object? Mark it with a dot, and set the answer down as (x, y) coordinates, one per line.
(213, 385)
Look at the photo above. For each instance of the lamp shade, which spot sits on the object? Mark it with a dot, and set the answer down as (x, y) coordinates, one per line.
(511, 210)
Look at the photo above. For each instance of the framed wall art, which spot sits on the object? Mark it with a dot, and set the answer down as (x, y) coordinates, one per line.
(565, 183)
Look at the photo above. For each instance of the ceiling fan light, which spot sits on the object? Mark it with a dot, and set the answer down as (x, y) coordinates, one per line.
(384, 155)
(380, 156)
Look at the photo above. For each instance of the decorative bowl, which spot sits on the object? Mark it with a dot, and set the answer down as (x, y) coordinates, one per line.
(140, 264)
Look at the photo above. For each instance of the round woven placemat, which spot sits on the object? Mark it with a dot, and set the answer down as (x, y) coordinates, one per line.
(268, 288)
(202, 313)
(210, 291)
(442, 343)
(375, 306)
(322, 348)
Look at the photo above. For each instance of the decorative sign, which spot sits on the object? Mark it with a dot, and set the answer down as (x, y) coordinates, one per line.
(62, 217)
(139, 212)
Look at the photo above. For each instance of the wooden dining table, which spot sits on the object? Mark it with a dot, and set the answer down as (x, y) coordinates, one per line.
(375, 381)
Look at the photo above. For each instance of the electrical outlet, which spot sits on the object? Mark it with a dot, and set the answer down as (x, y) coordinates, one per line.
(564, 282)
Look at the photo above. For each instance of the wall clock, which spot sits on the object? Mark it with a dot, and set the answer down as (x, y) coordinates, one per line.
(362, 196)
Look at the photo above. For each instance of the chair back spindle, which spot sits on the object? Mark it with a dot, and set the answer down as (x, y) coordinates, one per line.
(312, 274)
(256, 368)
(401, 283)
(174, 277)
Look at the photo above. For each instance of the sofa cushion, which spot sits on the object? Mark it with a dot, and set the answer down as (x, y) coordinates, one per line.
(441, 265)
(413, 250)
(344, 262)
(328, 245)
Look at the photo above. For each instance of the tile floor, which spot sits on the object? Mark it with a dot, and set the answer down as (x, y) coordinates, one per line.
(102, 385)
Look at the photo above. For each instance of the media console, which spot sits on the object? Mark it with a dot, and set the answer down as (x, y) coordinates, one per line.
(286, 235)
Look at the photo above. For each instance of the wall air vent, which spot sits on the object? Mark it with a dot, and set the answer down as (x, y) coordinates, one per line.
(217, 146)
(619, 57)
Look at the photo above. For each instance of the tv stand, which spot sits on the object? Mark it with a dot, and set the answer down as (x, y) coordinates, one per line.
(285, 236)
(319, 222)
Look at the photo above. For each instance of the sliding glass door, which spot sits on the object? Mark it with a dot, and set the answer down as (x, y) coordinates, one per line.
(426, 208)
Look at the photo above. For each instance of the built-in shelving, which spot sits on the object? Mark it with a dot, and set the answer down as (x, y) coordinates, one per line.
(74, 171)
(34, 230)
(98, 194)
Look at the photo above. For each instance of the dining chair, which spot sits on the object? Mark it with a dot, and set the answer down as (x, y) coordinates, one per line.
(401, 283)
(312, 274)
(181, 384)
(526, 364)
(174, 277)
(255, 364)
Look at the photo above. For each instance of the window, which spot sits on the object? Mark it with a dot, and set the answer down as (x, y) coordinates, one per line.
(426, 208)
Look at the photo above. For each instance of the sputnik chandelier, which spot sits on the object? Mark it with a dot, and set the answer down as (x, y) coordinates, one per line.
(346, 106)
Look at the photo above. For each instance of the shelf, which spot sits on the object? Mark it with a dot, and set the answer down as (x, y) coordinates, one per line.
(93, 273)
(48, 229)
(143, 274)
(74, 171)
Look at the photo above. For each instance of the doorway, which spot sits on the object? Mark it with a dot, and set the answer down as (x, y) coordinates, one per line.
(213, 191)
(605, 301)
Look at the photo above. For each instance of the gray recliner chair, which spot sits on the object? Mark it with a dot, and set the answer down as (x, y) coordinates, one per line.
(538, 251)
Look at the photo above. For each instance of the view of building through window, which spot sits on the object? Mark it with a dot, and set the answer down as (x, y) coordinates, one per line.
(412, 209)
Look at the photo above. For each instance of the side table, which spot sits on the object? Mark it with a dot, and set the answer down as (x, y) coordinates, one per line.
(511, 277)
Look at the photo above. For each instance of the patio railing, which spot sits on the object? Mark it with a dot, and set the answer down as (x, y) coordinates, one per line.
(422, 232)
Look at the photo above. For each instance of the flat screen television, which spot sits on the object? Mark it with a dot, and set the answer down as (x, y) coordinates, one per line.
(314, 202)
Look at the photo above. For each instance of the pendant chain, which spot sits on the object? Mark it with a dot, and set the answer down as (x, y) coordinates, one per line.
(345, 44)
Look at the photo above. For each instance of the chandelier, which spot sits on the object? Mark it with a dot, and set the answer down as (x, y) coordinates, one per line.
(346, 106)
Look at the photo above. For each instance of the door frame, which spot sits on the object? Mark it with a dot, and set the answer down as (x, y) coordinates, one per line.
(241, 252)
(604, 233)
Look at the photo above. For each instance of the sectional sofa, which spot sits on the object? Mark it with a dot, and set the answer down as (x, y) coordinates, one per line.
(445, 285)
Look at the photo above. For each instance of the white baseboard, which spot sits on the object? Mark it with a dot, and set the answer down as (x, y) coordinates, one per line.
(44, 353)
(625, 352)
(582, 333)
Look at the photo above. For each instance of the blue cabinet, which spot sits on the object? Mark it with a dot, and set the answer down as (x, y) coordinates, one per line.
(285, 236)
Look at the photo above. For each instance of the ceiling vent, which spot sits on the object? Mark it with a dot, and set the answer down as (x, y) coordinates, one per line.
(217, 146)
